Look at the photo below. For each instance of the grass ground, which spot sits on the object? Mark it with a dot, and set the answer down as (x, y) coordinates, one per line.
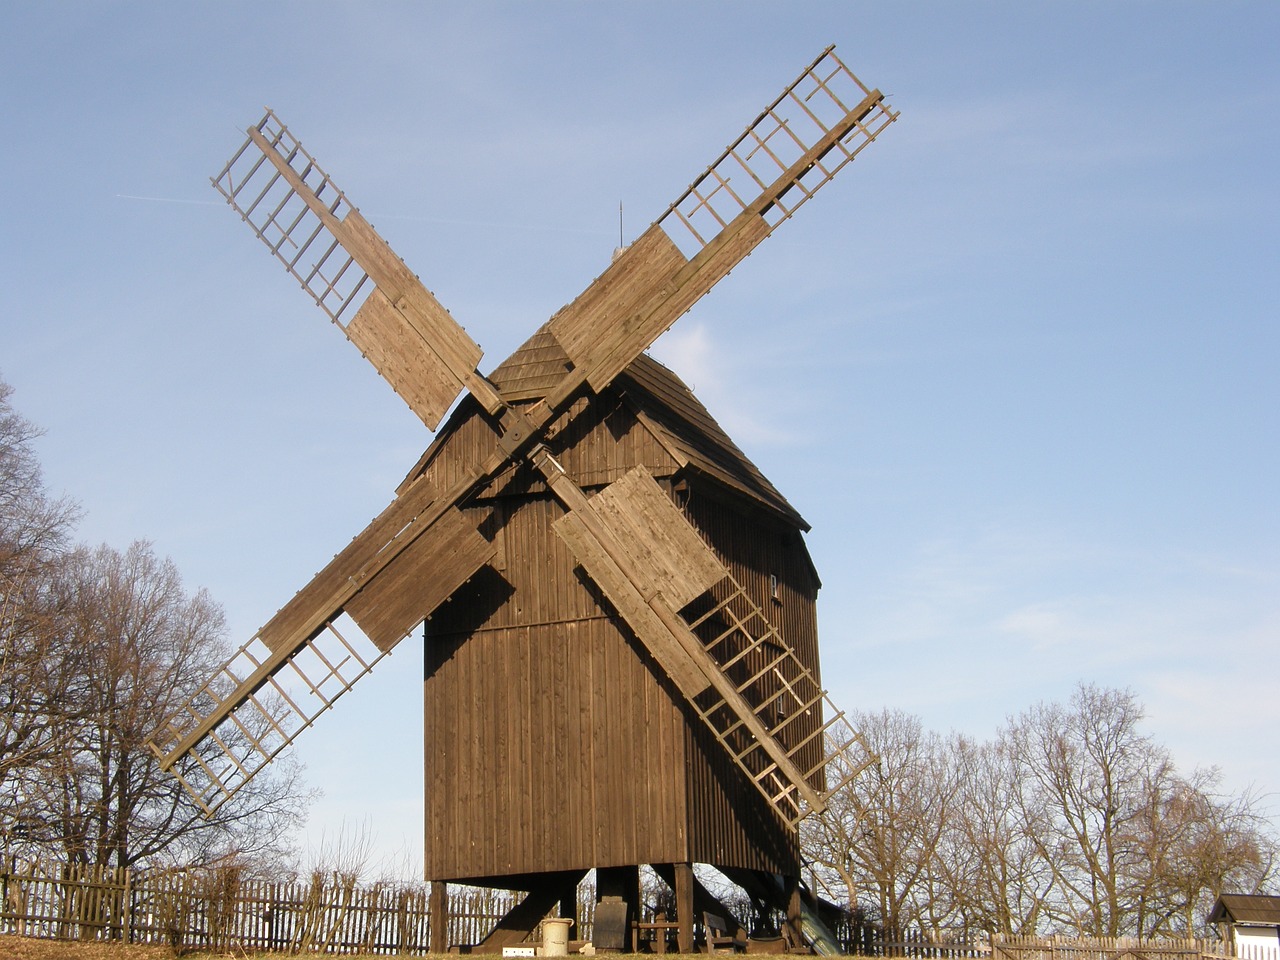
(21, 948)
(56, 950)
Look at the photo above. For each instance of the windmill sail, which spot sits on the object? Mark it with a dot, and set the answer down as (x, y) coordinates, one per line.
(323, 241)
(254, 706)
(814, 128)
(745, 682)
(406, 563)
(801, 722)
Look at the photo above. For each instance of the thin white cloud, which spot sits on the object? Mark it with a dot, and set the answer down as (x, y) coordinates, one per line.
(721, 377)
(996, 618)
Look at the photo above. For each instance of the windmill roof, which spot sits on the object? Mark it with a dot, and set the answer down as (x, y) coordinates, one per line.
(666, 405)
(1247, 909)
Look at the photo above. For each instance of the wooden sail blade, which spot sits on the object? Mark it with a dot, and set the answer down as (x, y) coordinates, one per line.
(601, 564)
(407, 562)
(336, 255)
(254, 706)
(637, 549)
(621, 312)
(419, 579)
(669, 555)
(814, 128)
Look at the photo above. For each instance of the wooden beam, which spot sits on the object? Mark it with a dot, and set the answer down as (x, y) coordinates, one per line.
(683, 885)
(438, 917)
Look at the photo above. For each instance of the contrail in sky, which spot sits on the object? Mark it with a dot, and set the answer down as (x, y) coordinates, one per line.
(202, 203)
(394, 216)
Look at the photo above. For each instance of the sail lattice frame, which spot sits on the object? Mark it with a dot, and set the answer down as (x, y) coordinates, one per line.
(827, 101)
(287, 699)
(786, 697)
(291, 229)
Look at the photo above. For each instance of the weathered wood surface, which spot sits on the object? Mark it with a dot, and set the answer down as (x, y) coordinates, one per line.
(390, 342)
(423, 576)
(541, 708)
(669, 555)
(635, 546)
(621, 313)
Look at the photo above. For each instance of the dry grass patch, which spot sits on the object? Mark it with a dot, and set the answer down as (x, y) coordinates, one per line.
(22, 948)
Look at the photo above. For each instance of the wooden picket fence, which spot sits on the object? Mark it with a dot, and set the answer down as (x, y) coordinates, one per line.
(866, 941)
(217, 910)
(1106, 948)
(918, 945)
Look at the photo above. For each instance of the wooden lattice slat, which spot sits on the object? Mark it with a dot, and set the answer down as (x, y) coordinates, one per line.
(259, 715)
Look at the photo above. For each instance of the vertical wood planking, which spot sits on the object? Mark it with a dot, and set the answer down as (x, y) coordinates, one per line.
(596, 763)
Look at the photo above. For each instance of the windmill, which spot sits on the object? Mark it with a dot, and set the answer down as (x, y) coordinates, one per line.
(621, 662)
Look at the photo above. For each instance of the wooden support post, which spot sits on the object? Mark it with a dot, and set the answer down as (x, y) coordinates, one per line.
(795, 930)
(438, 917)
(684, 906)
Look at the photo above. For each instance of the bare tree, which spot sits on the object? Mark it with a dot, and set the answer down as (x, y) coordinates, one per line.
(34, 531)
(150, 646)
(999, 878)
(1197, 844)
(1135, 847)
(1072, 820)
(1083, 767)
(96, 648)
(882, 834)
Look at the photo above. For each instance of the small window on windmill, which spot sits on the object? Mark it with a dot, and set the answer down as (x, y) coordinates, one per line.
(773, 588)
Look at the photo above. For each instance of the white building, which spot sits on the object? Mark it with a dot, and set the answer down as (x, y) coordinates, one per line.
(1250, 923)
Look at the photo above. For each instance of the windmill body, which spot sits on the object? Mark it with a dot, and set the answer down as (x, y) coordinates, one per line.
(550, 731)
(621, 663)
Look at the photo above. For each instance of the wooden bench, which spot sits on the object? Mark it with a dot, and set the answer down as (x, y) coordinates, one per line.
(718, 934)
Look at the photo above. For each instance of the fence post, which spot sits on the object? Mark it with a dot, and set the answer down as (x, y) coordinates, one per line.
(126, 908)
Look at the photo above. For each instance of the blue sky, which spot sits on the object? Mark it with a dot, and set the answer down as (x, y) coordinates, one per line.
(1016, 364)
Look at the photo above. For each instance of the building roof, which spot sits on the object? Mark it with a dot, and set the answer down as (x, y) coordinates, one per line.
(1246, 909)
(665, 404)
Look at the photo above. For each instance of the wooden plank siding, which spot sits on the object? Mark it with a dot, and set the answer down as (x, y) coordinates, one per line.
(550, 744)
(553, 741)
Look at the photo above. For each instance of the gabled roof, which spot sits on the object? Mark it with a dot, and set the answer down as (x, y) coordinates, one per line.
(666, 406)
(694, 437)
(538, 365)
(1246, 909)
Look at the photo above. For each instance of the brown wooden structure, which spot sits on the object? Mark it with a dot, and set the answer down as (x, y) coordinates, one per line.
(621, 648)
